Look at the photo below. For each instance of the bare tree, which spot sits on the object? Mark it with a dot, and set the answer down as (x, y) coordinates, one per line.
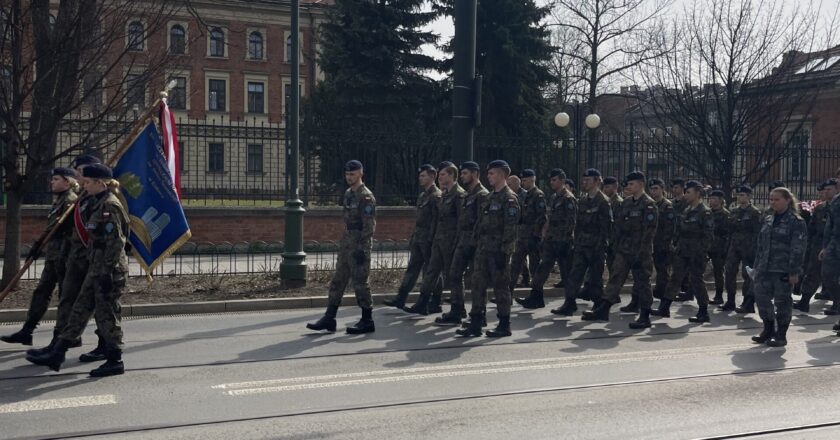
(730, 83)
(566, 67)
(73, 74)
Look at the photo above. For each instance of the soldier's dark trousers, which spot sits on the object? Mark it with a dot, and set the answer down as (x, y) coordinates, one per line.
(491, 268)
(52, 275)
(737, 259)
(773, 297)
(71, 285)
(419, 255)
(691, 268)
(610, 259)
(718, 264)
(641, 265)
(813, 274)
(103, 299)
(436, 278)
(351, 267)
(662, 263)
(551, 253)
(524, 250)
(462, 258)
(831, 277)
(586, 258)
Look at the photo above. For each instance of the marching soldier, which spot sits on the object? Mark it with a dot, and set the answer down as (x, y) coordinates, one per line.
(830, 253)
(515, 185)
(420, 244)
(695, 232)
(664, 236)
(108, 230)
(354, 253)
(678, 200)
(744, 224)
(779, 255)
(610, 189)
(592, 226)
(466, 242)
(496, 235)
(718, 249)
(64, 187)
(529, 230)
(814, 267)
(443, 245)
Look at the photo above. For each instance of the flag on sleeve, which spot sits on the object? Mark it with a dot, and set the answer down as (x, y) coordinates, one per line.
(170, 145)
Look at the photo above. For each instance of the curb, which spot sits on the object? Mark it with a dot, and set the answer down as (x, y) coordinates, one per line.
(253, 305)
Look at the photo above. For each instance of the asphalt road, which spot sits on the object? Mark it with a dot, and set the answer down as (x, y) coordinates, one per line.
(264, 376)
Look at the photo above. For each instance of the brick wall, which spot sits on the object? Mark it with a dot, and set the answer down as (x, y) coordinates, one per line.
(254, 224)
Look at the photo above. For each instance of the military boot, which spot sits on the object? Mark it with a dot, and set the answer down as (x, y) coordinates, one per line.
(779, 339)
(474, 326)
(643, 321)
(42, 350)
(97, 354)
(804, 303)
(823, 295)
(502, 329)
(701, 316)
(52, 359)
(767, 333)
(113, 365)
(421, 307)
(664, 309)
(683, 297)
(600, 313)
(836, 327)
(434, 303)
(23, 336)
(632, 307)
(365, 325)
(718, 299)
(729, 305)
(453, 317)
(834, 310)
(748, 306)
(468, 322)
(397, 301)
(327, 322)
(568, 308)
(534, 301)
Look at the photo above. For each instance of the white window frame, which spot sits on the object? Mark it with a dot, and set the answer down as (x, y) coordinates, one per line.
(186, 74)
(249, 78)
(287, 58)
(264, 34)
(208, 75)
(145, 35)
(287, 81)
(226, 33)
(136, 70)
(787, 162)
(186, 27)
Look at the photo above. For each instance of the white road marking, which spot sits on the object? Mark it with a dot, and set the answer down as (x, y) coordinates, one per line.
(71, 402)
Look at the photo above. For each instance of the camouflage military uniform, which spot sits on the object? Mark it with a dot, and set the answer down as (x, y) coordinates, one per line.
(420, 244)
(813, 266)
(528, 234)
(592, 226)
(780, 252)
(562, 215)
(466, 247)
(679, 210)
(615, 205)
(102, 288)
(744, 224)
(355, 247)
(76, 268)
(495, 233)
(831, 246)
(445, 239)
(635, 225)
(695, 232)
(718, 248)
(662, 245)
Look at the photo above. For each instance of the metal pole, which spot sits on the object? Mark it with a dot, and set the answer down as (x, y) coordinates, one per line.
(293, 268)
(463, 117)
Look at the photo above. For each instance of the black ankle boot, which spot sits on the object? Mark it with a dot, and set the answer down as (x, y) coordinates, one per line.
(728, 306)
(534, 301)
(52, 359)
(599, 313)
(434, 304)
(397, 301)
(701, 316)
(779, 339)
(95, 355)
(453, 317)
(23, 336)
(468, 322)
(632, 307)
(568, 308)
(502, 329)
(327, 322)
(421, 307)
(748, 306)
(664, 309)
(804, 303)
(718, 299)
(365, 325)
(112, 367)
(44, 350)
(767, 333)
(643, 321)
(474, 326)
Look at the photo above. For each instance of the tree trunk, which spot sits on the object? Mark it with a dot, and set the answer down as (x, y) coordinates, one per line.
(11, 255)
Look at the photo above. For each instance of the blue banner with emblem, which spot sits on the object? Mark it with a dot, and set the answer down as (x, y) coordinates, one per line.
(158, 224)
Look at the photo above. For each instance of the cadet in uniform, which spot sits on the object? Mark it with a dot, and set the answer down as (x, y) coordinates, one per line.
(529, 230)
(611, 191)
(592, 226)
(718, 249)
(64, 187)
(695, 232)
(664, 236)
(495, 232)
(354, 253)
(678, 200)
(466, 242)
(557, 237)
(779, 256)
(744, 224)
(108, 230)
(816, 229)
(420, 244)
(515, 185)
(830, 253)
(443, 245)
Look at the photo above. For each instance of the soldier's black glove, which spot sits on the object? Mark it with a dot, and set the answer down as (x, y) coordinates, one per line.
(106, 283)
(359, 256)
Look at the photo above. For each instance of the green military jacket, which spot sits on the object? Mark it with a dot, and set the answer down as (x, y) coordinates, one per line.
(495, 230)
(744, 224)
(831, 235)
(449, 208)
(533, 214)
(58, 247)
(816, 226)
(427, 206)
(635, 225)
(615, 204)
(468, 216)
(665, 226)
(695, 231)
(562, 216)
(679, 206)
(720, 241)
(781, 244)
(359, 219)
(594, 220)
(108, 229)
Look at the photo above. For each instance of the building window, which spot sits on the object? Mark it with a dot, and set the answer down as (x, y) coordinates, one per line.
(255, 158)
(93, 94)
(135, 91)
(177, 40)
(178, 94)
(217, 42)
(181, 156)
(669, 131)
(255, 46)
(136, 36)
(652, 131)
(215, 157)
(256, 97)
(216, 93)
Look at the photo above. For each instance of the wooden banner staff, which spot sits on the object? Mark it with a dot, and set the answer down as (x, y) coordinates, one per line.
(47, 235)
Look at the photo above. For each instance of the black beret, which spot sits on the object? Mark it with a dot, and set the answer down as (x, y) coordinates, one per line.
(427, 167)
(635, 175)
(570, 182)
(775, 184)
(63, 172)
(591, 172)
(527, 172)
(470, 165)
(610, 180)
(353, 165)
(85, 159)
(694, 184)
(97, 171)
(717, 193)
(656, 182)
(832, 182)
(557, 172)
(678, 181)
(445, 164)
(744, 189)
(498, 164)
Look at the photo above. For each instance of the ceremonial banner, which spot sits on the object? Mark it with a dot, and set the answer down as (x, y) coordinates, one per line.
(158, 224)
